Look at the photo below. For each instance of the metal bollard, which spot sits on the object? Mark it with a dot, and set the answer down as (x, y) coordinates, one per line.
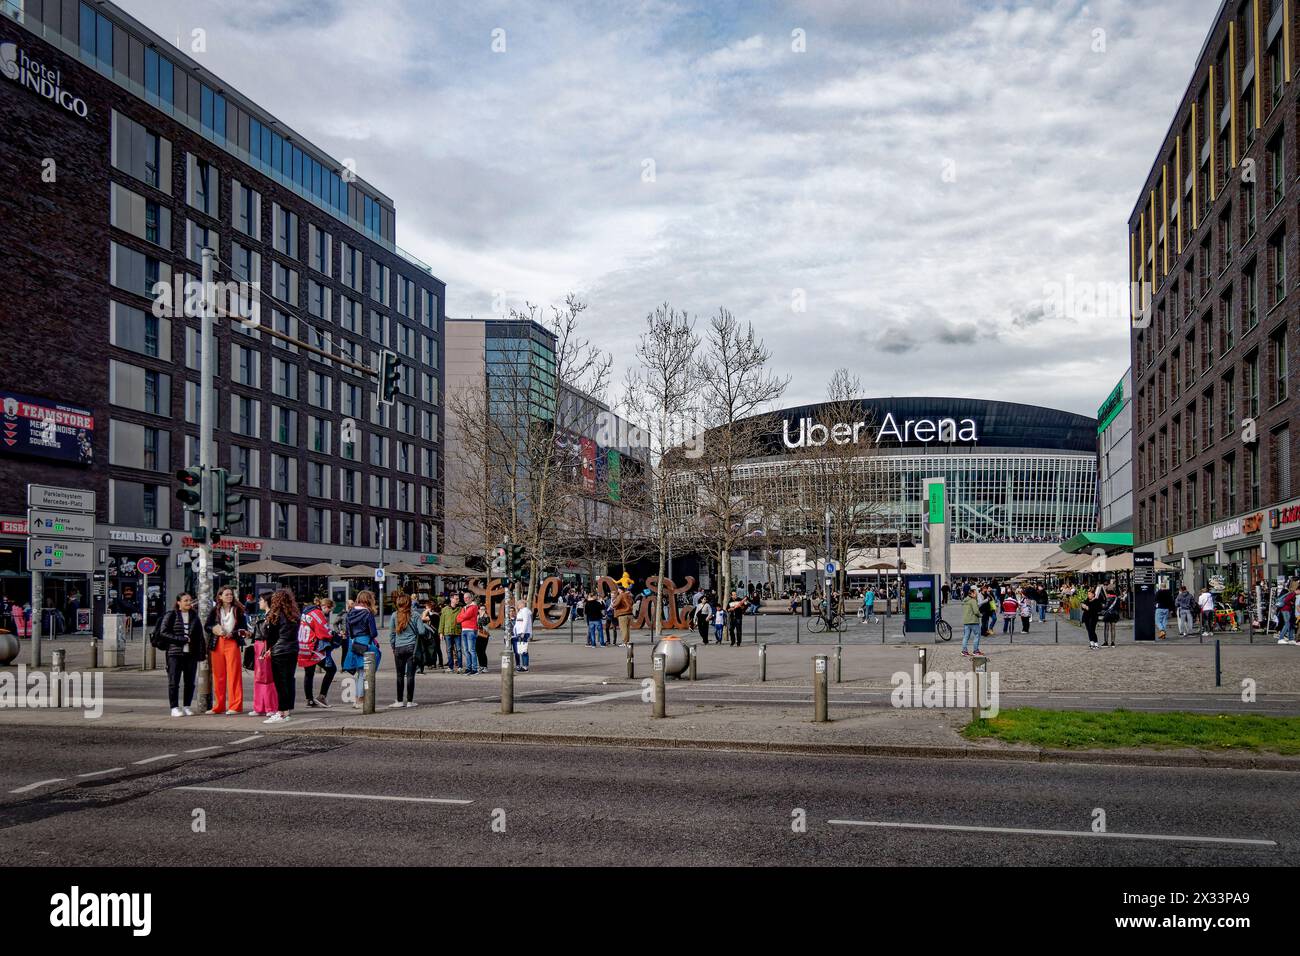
(56, 677)
(1218, 665)
(150, 656)
(1056, 629)
(570, 628)
(821, 691)
(797, 627)
(94, 655)
(882, 630)
(694, 658)
(205, 686)
(631, 664)
(507, 684)
(762, 662)
(980, 668)
(755, 628)
(657, 705)
(922, 661)
(839, 663)
(368, 685)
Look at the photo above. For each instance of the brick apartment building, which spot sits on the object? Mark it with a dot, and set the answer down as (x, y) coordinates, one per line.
(1215, 346)
(122, 158)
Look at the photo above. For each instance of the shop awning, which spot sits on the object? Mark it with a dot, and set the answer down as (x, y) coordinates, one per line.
(1107, 541)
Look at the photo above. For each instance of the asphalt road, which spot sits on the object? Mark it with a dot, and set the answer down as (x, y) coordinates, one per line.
(321, 802)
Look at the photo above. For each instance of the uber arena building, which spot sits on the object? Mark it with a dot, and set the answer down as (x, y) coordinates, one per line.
(1018, 480)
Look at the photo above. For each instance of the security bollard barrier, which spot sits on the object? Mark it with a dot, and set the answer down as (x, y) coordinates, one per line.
(839, 663)
(694, 658)
(150, 656)
(762, 662)
(1218, 665)
(368, 687)
(658, 708)
(796, 628)
(631, 664)
(507, 684)
(980, 669)
(922, 661)
(205, 686)
(56, 677)
(94, 655)
(821, 690)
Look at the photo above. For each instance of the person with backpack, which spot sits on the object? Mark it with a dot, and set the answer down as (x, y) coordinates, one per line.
(282, 650)
(408, 631)
(449, 631)
(523, 634)
(315, 649)
(1092, 607)
(181, 636)
(226, 628)
(363, 639)
(1287, 605)
(264, 699)
(468, 621)
(988, 611)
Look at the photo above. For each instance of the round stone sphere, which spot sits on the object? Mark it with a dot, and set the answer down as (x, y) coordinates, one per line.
(9, 649)
(676, 657)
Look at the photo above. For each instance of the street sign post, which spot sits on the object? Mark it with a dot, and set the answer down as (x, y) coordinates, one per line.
(60, 524)
(60, 499)
(53, 555)
(60, 539)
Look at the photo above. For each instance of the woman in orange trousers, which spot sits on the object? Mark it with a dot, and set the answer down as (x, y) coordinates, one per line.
(226, 628)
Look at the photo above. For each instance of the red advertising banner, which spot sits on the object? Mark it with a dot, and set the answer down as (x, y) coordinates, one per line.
(45, 428)
(588, 464)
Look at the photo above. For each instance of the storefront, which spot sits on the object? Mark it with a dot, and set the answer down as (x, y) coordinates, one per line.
(125, 583)
(1284, 523)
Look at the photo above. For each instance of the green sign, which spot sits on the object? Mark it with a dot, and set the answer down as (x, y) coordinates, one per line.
(936, 504)
(1110, 407)
(919, 609)
(614, 471)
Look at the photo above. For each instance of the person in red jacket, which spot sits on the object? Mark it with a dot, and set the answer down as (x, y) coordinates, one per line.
(314, 645)
(468, 621)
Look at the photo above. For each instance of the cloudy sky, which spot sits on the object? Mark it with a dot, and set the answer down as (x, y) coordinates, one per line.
(903, 188)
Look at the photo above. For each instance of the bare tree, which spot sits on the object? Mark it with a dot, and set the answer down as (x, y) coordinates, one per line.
(736, 387)
(660, 392)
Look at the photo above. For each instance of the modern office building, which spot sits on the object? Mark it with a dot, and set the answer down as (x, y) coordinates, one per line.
(1212, 246)
(1019, 479)
(122, 158)
(512, 363)
(1115, 459)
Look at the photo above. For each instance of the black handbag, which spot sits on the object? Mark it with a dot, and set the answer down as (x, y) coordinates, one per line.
(249, 657)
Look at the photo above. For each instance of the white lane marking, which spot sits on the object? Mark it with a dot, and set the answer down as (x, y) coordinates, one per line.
(152, 759)
(244, 740)
(100, 773)
(598, 698)
(38, 783)
(336, 796)
(199, 750)
(1061, 833)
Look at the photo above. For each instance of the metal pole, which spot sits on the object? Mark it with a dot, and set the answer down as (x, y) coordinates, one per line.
(658, 703)
(631, 664)
(821, 689)
(94, 654)
(56, 677)
(1218, 665)
(755, 628)
(839, 663)
(570, 625)
(975, 666)
(207, 456)
(146, 663)
(383, 544)
(694, 658)
(368, 703)
(797, 627)
(38, 600)
(922, 661)
(1056, 630)
(762, 662)
(507, 684)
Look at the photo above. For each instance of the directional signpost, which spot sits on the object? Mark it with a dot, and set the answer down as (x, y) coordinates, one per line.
(60, 540)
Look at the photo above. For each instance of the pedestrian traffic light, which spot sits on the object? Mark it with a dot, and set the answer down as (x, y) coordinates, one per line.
(517, 562)
(390, 376)
(225, 502)
(222, 563)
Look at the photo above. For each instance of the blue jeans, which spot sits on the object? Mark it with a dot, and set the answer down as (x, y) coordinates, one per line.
(969, 631)
(1042, 613)
(1162, 618)
(717, 631)
(1288, 625)
(1008, 623)
(595, 634)
(469, 650)
(453, 650)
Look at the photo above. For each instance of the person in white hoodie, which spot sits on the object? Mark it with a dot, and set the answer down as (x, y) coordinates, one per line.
(522, 635)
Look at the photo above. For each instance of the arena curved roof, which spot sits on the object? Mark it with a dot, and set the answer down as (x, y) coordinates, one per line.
(934, 425)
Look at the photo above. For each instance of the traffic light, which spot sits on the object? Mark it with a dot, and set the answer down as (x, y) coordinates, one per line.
(390, 376)
(223, 500)
(222, 563)
(190, 495)
(499, 562)
(517, 562)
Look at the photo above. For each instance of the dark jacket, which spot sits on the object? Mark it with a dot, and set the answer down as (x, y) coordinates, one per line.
(1165, 599)
(214, 618)
(282, 638)
(361, 623)
(593, 610)
(179, 638)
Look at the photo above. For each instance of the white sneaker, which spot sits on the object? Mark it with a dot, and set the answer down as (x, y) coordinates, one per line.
(410, 703)
(1283, 640)
(396, 703)
(273, 719)
(188, 712)
(176, 711)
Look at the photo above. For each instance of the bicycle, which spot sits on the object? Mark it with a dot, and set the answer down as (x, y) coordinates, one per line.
(823, 622)
(942, 629)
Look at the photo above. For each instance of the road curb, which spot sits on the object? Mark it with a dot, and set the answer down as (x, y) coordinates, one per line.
(1182, 758)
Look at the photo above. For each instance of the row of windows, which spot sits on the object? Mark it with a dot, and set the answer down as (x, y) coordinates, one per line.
(1223, 488)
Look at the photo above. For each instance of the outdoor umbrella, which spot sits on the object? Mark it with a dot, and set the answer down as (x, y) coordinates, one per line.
(267, 566)
(322, 570)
